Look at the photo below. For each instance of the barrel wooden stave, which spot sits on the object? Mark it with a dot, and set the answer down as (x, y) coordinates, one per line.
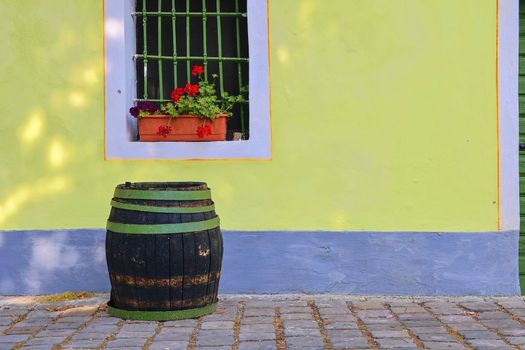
(167, 271)
(179, 271)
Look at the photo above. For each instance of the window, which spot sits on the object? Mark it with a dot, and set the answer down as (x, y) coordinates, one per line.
(173, 35)
(150, 47)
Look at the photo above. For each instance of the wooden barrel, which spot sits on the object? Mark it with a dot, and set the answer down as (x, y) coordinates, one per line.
(163, 250)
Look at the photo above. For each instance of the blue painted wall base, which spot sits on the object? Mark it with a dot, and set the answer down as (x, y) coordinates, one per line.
(414, 263)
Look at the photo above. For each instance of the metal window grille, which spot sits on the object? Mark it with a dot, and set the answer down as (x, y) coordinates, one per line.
(174, 35)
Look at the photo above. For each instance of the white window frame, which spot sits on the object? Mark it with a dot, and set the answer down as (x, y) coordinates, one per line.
(120, 92)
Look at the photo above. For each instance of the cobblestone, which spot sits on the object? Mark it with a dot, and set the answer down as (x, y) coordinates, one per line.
(259, 345)
(41, 342)
(257, 328)
(257, 336)
(478, 335)
(480, 306)
(217, 325)
(210, 338)
(332, 322)
(309, 341)
(84, 343)
(126, 343)
(174, 334)
(12, 338)
(341, 325)
(513, 332)
(389, 334)
(168, 345)
(350, 333)
(433, 337)
(257, 320)
(350, 343)
(444, 346)
(495, 343)
(517, 340)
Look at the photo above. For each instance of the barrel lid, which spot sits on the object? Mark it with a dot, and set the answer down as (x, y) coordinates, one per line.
(165, 186)
(163, 191)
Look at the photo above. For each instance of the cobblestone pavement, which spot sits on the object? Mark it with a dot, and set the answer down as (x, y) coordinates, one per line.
(274, 322)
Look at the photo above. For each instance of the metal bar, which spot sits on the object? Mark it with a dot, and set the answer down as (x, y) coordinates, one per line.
(193, 58)
(152, 100)
(167, 100)
(239, 69)
(174, 36)
(155, 209)
(163, 228)
(145, 49)
(191, 14)
(204, 43)
(188, 53)
(219, 45)
(159, 48)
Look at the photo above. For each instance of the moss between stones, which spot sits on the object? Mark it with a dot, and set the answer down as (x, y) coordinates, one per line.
(64, 296)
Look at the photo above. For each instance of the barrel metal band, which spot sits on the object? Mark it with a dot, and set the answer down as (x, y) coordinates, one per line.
(161, 315)
(153, 209)
(162, 195)
(163, 228)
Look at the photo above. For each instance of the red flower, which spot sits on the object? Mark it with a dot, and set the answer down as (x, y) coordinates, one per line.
(191, 89)
(177, 94)
(197, 70)
(203, 130)
(164, 130)
(200, 132)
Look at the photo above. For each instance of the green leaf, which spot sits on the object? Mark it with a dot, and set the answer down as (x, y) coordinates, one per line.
(205, 103)
(169, 108)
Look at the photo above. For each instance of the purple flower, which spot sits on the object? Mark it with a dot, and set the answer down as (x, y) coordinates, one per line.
(134, 111)
(148, 107)
(143, 107)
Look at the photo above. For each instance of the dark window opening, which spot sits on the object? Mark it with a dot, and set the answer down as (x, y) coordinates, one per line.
(174, 35)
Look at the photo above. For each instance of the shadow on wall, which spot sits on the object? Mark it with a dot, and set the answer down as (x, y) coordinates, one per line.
(54, 81)
(47, 263)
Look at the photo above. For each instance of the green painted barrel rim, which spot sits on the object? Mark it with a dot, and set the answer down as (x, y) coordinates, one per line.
(184, 227)
(162, 195)
(161, 315)
(153, 209)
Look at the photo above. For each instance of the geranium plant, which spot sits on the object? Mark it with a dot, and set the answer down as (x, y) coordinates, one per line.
(192, 100)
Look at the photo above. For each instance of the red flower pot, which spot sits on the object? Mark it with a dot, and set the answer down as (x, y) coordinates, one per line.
(162, 128)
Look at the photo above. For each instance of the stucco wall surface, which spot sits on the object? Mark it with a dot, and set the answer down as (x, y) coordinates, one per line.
(415, 263)
(384, 118)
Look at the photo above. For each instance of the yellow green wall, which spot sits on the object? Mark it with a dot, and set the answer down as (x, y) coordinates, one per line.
(384, 118)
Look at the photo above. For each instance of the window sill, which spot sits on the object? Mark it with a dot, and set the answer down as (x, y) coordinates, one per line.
(135, 150)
